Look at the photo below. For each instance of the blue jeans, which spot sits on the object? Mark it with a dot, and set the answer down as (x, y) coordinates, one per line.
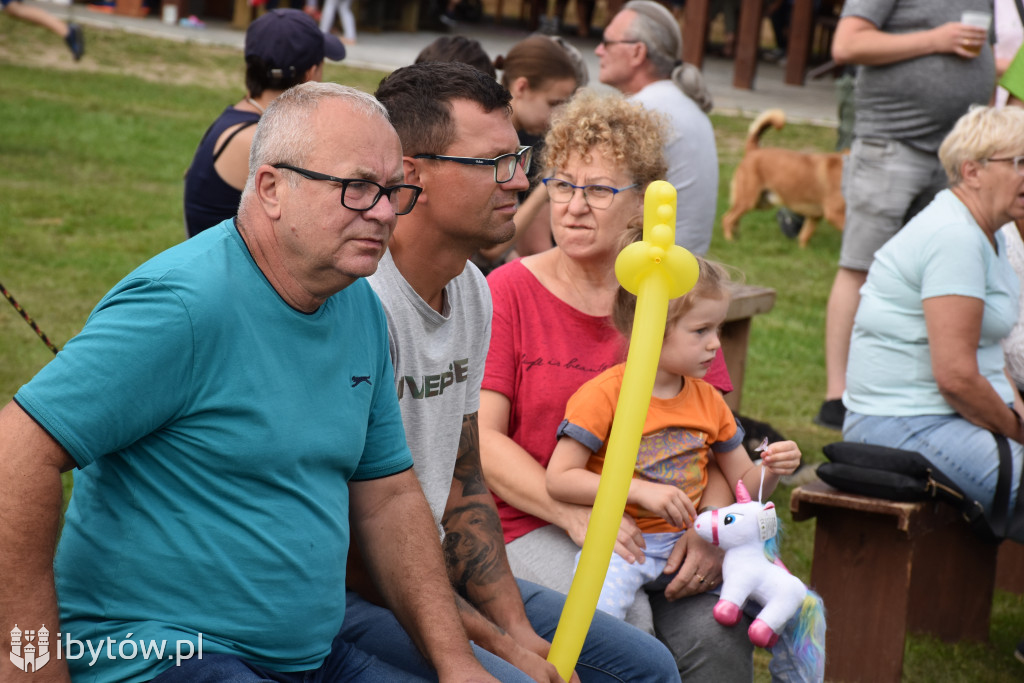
(345, 663)
(963, 451)
(613, 650)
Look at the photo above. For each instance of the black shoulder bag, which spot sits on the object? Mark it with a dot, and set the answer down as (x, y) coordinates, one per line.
(896, 474)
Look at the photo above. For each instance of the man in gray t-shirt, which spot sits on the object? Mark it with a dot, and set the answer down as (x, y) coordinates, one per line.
(920, 70)
(460, 147)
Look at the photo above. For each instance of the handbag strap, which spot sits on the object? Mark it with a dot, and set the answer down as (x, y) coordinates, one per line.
(1015, 525)
(1001, 501)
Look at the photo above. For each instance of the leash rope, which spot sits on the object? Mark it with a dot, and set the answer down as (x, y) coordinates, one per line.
(32, 324)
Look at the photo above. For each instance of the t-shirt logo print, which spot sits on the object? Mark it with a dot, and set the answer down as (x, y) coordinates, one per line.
(359, 379)
(30, 656)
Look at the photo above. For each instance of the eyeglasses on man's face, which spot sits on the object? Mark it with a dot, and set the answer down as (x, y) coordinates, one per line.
(360, 194)
(1018, 163)
(596, 196)
(606, 42)
(504, 164)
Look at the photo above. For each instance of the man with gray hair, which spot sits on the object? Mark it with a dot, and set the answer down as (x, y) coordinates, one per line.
(229, 407)
(640, 55)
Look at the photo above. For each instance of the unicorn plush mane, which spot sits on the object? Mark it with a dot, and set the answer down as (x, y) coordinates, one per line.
(747, 532)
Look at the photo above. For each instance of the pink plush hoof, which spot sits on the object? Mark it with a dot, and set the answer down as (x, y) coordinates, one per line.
(762, 635)
(726, 613)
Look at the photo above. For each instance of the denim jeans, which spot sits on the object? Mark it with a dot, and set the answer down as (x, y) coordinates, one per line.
(963, 451)
(345, 663)
(613, 650)
(372, 647)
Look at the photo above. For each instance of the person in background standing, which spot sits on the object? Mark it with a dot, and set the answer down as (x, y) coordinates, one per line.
(920, 69)
(348, 20)
(70, 32)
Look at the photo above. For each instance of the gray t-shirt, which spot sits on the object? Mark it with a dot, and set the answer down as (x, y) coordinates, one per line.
(917, 101)
(439, 365)
(692, 162)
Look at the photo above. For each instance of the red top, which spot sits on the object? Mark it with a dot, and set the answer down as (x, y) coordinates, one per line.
(542, 351)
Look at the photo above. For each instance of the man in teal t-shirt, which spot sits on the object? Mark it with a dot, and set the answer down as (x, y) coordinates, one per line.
(230, 409)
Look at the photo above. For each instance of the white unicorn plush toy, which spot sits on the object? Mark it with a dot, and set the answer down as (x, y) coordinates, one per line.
(746, 532)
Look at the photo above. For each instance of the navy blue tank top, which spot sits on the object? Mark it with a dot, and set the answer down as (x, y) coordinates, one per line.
(208, 199)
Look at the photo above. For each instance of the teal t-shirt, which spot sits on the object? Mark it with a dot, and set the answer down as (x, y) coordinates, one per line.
(941, 252)
(216, 429)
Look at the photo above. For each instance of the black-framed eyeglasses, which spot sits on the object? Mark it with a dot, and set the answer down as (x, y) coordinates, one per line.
(1018, 163)
(360, 194)
(504, 164)
(596, 196)
(605, 42)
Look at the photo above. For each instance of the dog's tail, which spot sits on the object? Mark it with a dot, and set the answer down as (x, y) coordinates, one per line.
(772, 117)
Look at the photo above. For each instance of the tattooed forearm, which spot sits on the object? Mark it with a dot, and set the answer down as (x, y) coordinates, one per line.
(468, 471)
(473, 549)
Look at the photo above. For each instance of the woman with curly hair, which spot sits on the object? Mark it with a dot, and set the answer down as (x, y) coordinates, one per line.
(551, 332)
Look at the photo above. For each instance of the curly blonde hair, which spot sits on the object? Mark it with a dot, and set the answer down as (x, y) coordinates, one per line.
(626, 134)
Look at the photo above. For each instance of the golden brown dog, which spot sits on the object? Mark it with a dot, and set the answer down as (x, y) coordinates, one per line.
(808, 184)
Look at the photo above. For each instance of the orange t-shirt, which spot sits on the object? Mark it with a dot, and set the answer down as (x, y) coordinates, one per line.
(677, 435)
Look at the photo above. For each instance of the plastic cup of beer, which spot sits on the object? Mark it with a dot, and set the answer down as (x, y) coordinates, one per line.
(981, 20)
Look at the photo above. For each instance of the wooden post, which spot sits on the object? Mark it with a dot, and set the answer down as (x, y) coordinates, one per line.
(130, 8)
(695, 31)
(748, 40)
(801, 31)
(242, 15)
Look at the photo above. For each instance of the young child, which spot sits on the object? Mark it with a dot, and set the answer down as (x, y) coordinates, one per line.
(687, 420)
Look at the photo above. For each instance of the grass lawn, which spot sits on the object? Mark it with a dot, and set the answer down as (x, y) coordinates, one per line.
(91, 164)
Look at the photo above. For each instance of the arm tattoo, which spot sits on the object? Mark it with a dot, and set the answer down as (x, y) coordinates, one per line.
(468, 471)
(473, 549)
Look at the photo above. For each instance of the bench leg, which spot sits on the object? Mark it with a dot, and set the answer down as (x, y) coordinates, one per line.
(735, 338)
(1010, 567)
(878, 582)
(953, 582)
(861, 569)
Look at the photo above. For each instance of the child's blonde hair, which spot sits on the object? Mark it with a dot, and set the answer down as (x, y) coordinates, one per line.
(712, 283)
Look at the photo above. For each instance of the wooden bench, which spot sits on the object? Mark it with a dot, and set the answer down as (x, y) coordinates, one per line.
(746, 302)
(884, 568)
(1010, 567)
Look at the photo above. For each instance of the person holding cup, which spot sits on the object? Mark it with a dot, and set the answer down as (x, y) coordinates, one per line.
(921, 67)
(975, 19)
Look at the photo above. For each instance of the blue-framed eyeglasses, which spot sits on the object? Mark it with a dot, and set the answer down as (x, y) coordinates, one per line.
(504, 165)
(360, 194)
(596, 196)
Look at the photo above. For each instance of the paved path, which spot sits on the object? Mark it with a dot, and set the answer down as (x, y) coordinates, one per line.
(813, 103)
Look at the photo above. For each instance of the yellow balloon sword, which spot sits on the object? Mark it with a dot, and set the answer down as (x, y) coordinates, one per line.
(655, 269)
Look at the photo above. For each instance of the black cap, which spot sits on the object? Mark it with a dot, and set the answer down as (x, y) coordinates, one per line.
(289, 42)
